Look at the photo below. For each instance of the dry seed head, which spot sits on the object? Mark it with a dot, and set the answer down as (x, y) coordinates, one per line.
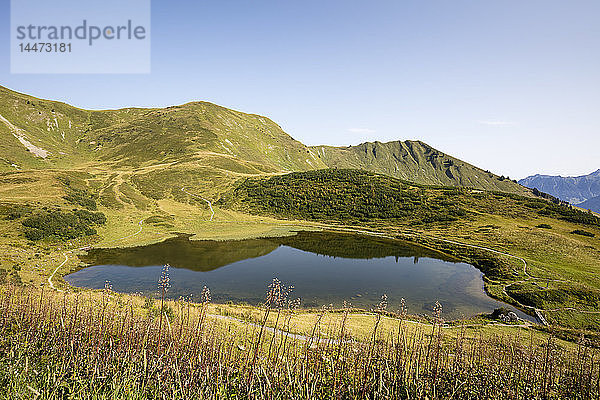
(277, 294)
(294, 304)
(164, 282)
(107, 286)
(437, 312)
(382, 306)
(205, 295)
(273, 292)
(403, 308)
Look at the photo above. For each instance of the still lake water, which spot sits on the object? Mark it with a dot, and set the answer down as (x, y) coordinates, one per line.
(324, 267)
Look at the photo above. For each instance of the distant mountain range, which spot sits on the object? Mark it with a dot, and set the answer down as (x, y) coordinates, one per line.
(583, 191)
(591, 204)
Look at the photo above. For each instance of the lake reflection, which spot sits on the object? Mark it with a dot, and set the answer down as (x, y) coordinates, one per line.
(324, 267)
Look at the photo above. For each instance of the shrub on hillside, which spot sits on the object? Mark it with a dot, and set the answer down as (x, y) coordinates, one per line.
(82, 198)
(14, 211)
(62, 225)
(582, 233)
(77, 196)
(569, 214)
(346, 195)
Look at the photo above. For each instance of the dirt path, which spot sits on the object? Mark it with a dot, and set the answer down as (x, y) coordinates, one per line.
(318, 339)
(129, 236)
(55, 270)
(277, 331)
(200, 197)
(66, 253)
(538, 312)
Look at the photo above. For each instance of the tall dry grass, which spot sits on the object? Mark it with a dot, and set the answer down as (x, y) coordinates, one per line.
(80, 345)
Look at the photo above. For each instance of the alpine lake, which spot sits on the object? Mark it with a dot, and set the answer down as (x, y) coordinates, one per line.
(325, 268)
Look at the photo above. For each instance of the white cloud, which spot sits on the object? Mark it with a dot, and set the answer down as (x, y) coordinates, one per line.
(496, 123)
(361, 130)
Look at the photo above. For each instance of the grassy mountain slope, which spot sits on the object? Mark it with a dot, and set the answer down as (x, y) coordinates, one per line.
(355, 196)
(68, 136)
(574, 189)
(61, 136)
(414, 161)
(183, 132)
(50, 128)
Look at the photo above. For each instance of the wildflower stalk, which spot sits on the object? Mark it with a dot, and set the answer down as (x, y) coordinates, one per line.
(275, 297)
(205, 298)
(380, 310)
(164, 283)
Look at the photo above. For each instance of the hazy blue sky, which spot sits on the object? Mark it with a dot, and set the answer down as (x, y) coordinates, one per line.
(511, 86)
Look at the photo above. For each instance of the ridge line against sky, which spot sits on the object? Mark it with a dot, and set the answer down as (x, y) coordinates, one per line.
(512, 87)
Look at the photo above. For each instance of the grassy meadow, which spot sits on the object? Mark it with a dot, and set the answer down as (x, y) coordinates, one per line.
(101, 344)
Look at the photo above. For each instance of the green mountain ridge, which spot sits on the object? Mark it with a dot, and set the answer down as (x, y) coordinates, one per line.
(138, 137)
(414, 161)
(44, 134)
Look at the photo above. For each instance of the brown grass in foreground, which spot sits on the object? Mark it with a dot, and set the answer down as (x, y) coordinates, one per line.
(94, 346)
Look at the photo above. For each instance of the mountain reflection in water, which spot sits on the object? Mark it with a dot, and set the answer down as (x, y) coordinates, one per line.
(325, 268)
